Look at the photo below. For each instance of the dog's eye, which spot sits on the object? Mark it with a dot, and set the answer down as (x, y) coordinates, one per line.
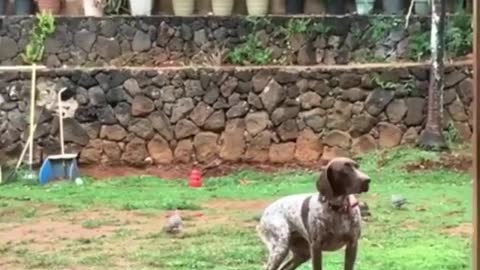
(352, 165)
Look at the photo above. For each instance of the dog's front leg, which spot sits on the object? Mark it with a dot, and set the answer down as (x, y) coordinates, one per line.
(316, 253)
(351, 255)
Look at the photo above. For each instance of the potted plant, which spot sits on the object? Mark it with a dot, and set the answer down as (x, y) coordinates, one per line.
(2, 11)
(222, 7)
(335, 7)
(257, 7)
(422, 7)
(93, 8)
(72, 8)
(141, 7)
(183, 7)
(44, 27)
(52, 6)
(203, 7)
(364, 7)
(294, 6)
(23, 7)
(393, 6)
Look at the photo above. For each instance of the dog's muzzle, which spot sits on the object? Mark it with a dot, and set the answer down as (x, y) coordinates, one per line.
(365, 186)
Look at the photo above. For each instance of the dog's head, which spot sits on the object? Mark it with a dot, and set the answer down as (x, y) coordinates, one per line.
(342, 177)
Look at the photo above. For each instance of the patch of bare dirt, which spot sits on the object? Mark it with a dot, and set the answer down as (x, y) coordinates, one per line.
(179, 171)
(50, 232)
(45, 231)
(464, 229)
(452, 161)
(8, 263)
(14, 213)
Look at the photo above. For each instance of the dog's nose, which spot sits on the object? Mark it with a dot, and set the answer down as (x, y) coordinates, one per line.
(367, 180)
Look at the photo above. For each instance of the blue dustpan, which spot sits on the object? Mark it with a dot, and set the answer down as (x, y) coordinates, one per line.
(63, 166)
(59, 167)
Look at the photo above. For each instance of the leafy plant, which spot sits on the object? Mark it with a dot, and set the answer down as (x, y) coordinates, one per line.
(45, 25)
(458, 39)
(296, 26)
(250, 52)
(380, 27)
(258, 22)
(450, 133)
(384, 84)
(408, 85)
(321, 29)
(419, 45)
(357, 33)
(459, 36)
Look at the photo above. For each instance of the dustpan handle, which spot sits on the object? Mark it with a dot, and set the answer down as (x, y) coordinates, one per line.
(60, 120)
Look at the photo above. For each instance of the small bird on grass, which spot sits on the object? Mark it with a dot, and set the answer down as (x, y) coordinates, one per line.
(398, 201)
(174, 223)
(364, 210)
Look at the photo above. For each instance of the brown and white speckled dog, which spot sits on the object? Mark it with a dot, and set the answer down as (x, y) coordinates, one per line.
(307, 224)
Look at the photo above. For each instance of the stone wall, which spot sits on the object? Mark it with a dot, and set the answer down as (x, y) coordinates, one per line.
(177, 41)
(135, 116)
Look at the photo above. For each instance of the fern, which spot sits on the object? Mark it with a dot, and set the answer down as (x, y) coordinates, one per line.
(45, 25)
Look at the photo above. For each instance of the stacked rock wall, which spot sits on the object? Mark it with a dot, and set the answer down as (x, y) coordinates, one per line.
(132, 116)
(166, 40)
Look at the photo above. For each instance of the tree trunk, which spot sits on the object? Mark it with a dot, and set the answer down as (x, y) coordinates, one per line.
(432, 136)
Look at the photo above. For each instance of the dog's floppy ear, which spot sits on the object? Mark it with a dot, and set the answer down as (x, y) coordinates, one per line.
(332, 181)
(324, 185)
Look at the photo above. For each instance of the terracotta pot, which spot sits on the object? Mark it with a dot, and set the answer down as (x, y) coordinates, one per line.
(23, 7)
(393, 7)
(90, 9)
(277, 7)
(203, 7)
(3, 6)
(72, 8)
(364, 7)
(183, 7)
(315, 7)
(49, 5)
(222, 7)
(295, 6)
(422, 7)
(336, 7)
(141, 7)
(240, 7)
(257, 7)
(163, 7)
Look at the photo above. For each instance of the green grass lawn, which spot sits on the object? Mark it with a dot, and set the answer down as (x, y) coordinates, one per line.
(116, 224)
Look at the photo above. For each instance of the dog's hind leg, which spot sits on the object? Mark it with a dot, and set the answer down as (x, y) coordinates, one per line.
(277, 239)
(293, 262)
(277, 256)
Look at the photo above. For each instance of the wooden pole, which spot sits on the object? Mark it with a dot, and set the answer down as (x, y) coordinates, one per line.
(21, 68)
(32, 113)
(476, 133)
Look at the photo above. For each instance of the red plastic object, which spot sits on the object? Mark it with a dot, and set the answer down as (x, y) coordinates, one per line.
(195, 179)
